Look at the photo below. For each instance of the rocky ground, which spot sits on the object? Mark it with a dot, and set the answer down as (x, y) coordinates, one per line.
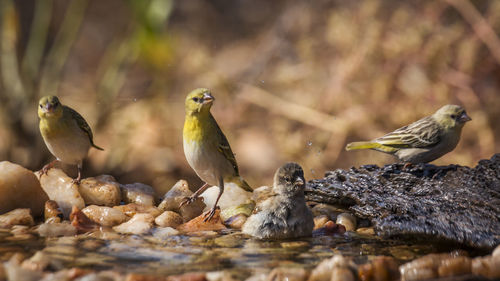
(459, 205)
(52, 229)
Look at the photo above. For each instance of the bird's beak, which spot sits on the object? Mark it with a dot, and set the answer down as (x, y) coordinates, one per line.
(464, 118)
(299, 181)
(48, 107)
(208, 98)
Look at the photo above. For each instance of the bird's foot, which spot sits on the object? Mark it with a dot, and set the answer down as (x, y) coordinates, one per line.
(407, 166)
(210, 214)
(45, 169)
(76, 181)
(188, 200)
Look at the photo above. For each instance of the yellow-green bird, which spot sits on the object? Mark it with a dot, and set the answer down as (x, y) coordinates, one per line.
(207, 149)
(424, 140)
(66, 134)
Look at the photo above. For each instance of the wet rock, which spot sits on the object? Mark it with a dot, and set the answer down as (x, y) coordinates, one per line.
(336, 268)
(59, 187)
(174, 197)
(245, 209)
(197, 224)
(436, 265)
(163, 232)
(295, 245)
(52, 211)
(56, 229)
(143, 277)
(38, 262)
(20, 230)
(102, 190)
(101, 276)
(232, 196)
(188, 277)
(496, 252)
(105, 216)
(138, 224)
(19, 188)
(15, 217)
(221, 276)
(379, 269)
(236, 221)
(288, 273)
(15, 272)
(138, 193)
(168, 219)
(347, 220)
(131, 209)
(488, 266)
(425, 202)
(81, 222)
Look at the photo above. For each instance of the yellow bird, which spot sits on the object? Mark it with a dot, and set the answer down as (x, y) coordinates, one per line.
(424, 140)
(207, 149)
(66, 134)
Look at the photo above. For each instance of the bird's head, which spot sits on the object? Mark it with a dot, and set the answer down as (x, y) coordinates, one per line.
(452, 116)
(199, 100)
(49, 107)
(289, 179)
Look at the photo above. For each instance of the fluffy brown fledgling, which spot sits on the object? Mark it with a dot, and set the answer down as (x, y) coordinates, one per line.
(283, 212)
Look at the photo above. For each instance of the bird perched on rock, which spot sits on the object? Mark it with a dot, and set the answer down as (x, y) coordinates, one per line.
(282, 211)
(207, 149)
(424, 140)
(66, 134)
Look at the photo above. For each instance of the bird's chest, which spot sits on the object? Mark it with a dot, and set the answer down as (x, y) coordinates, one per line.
(65, 141)
(202, 159)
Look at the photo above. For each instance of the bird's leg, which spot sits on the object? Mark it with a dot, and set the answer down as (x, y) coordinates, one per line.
(79, 177)
(190, 199)
(209, 215)
(406, 166)
(48, 166)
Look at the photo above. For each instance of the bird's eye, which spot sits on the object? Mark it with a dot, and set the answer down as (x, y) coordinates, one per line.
(41, 106)
(453, 116)
(288, 179)
(195, 99)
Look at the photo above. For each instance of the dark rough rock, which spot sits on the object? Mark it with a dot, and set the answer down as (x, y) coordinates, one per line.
(454, 204)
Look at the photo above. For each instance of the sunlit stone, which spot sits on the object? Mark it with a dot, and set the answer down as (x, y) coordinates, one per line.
(19, 188)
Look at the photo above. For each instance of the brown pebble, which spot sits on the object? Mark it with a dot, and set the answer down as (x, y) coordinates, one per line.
(287, 273)
(81, 222)
(320, 221)
(380, 269)
(52, 210)
(454, 266)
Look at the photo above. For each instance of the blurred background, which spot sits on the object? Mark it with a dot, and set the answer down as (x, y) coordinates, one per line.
(293, 80)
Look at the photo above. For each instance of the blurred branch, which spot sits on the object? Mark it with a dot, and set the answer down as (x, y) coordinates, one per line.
(292, 110)
(59, 52)
(481, 27)
(36, 42)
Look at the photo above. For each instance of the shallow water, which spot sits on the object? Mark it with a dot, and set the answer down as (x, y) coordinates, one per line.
(208, 251)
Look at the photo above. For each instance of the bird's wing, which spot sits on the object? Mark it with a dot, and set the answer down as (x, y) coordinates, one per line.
(223, 146)
(82, 124)
(420, 134)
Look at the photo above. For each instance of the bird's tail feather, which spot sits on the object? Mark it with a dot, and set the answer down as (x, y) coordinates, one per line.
(97, 147)
(243, 184)
(361, 145)
(370, 145)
